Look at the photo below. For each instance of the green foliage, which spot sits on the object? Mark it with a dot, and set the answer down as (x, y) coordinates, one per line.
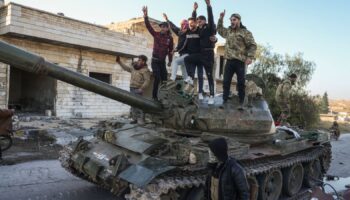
(324, 104)
(273, 68)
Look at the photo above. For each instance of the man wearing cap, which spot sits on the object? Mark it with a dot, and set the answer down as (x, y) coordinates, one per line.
(139, 81)
(162, 47)
(206, 55)
(282, 97)
(226, 179)
(240, 51)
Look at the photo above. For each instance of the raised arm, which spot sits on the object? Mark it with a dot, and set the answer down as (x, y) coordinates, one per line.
(195, 7)
(147, 23)
(211, 22)
(173, 27)
(221, 29)
(124, 66)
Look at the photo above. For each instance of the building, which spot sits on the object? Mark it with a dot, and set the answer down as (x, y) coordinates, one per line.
(79, 46)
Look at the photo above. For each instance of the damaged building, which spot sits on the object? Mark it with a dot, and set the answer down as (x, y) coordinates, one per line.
(80, 46)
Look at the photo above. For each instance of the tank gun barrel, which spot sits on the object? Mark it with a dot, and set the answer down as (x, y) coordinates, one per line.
(26, 61)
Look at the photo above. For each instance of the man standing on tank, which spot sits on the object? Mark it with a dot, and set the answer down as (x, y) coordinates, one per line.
(206, 55)
(139, 81)
(226, 179)
(240, 49)
(162, 47)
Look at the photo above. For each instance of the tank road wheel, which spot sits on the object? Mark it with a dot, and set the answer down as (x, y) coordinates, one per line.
(270, 185)
(5, 142)
(293, 179)
(254, 187)
(313, 172)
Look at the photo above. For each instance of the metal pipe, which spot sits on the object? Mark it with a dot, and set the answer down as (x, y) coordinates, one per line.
(24, 60)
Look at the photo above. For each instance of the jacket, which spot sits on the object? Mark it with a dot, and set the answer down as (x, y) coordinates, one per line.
(283, 91)
(207, 31)
(181, 45)
(240, 43)
(233, 183)
(140, 78)
(163, 44)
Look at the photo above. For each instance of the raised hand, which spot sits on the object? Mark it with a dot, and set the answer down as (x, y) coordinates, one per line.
(207, 2)
(222, 15)
(165, 17)
(117, 59)
(145, 11)
(195, 6)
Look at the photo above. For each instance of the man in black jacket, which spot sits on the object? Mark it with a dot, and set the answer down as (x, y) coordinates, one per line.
(227, 179)
(206, 55)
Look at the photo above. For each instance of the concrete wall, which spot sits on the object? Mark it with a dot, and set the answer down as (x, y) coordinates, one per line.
(4, 70)
(72, 101)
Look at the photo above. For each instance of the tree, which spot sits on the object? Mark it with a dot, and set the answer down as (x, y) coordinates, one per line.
(273, 67)
(324, 105)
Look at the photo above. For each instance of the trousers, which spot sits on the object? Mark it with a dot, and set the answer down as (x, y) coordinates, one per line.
(232, 67)
(160, 74)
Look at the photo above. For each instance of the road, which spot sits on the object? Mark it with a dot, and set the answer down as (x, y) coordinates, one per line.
(46, 180)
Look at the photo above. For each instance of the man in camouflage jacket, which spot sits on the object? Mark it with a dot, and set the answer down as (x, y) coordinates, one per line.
(282, 97)
(240, 51)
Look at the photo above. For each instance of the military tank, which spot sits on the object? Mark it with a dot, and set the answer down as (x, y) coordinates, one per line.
(166, 158)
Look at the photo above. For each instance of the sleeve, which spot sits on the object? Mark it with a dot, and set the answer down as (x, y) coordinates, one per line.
(194, 14)
(211, 23)
(286, 91)
(147, 77)
(149, 27)
(174, 28)
(125, 67)
(221, 29)
(170, 51)
(250, 45)
(239, 178)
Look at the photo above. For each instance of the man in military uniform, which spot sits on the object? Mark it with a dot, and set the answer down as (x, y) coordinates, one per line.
(240, 51)
(140, 79)
(282, 97)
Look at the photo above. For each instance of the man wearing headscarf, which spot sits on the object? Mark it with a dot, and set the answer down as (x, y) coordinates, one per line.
(240, 51)
(226, 179)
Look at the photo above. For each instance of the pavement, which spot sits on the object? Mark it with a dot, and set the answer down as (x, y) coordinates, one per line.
(340, 165)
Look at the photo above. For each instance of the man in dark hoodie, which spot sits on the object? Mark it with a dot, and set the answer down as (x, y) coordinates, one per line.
(226, 179)
(162, 47)
(206, 55)
(139, 81)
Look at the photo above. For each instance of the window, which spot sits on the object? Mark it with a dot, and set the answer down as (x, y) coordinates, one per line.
(107, 78)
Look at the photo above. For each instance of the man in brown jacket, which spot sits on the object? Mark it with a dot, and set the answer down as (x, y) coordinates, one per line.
(140, 79)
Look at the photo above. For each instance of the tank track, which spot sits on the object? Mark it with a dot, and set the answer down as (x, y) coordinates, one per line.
(166, 186)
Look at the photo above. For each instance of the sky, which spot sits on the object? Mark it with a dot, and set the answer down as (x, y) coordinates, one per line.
(319, 29)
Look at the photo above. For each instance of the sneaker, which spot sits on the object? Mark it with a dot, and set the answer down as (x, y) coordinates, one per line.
(200, 96)
(241, 107)
(211, 100)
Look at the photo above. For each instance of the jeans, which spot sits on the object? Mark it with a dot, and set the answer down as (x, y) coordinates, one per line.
(234, 66)
(205, 59)
(179, 61)
(200, 78)
(160, 74)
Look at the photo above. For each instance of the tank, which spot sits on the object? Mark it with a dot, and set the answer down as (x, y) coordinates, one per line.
(166, 158)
